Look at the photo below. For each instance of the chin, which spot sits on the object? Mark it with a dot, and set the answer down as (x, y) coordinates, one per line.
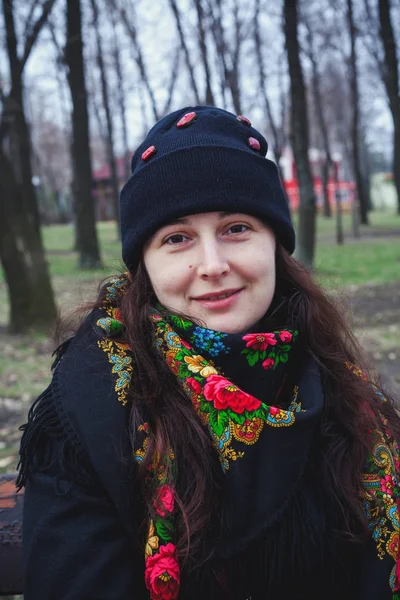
(228, 326)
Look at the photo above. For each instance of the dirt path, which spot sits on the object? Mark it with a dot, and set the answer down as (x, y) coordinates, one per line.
(376, 314)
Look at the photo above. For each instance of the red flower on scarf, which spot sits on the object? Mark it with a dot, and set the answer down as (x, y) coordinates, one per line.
(225, 395)
(387, 484)
(165, 500)
(162, 574)
(259, 341)
(268, 363)
(194, 385)
(285, 336)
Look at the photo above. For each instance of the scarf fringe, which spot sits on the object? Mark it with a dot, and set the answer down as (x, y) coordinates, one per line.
(45, 427)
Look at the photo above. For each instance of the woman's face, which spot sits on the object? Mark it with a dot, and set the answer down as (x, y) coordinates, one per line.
(216, 267)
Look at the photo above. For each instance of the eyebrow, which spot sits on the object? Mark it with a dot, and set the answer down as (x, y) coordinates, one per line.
(186, 220)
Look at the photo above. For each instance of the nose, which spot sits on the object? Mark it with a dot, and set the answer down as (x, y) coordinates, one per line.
(212, 262)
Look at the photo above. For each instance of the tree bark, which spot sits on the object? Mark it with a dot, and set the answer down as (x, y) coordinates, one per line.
(109, 122)
(338, 203)
(362, 196)
(31, 297)
(32, 304)
(299, 136)
(121, 98)
(88, 248)
(203, 51)
(230, 72)
(391, 81)
(276, 130)
(190, 68)
(326, 166)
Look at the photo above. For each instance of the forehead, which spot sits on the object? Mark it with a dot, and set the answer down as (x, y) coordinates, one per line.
(202, 217)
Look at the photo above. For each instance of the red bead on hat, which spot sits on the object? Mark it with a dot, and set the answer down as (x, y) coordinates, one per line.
(187, 119)
(254, 144)
(244, 120)
(151, 150)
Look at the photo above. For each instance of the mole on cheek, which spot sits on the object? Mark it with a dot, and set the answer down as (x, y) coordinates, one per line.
(190, 266)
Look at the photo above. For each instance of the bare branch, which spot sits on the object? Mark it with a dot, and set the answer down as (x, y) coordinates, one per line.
(262, 75)
(36, 28)
(203, 49)
(370, 38)
(28, 22)
(60, 51)
(132, 33)
(174, 75)
(175, 10)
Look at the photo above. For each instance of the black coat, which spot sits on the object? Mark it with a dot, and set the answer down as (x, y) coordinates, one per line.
(83, 511)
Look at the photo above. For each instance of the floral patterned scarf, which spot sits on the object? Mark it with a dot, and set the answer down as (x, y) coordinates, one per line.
(248, 390)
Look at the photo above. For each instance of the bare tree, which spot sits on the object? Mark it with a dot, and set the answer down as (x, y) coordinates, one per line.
(229, 57)
(362, 196)
(299, 137)
(178, 20)
(327, 163)
(174, 75)
(204, 50)
(87, 243)
(21, 250)
(130, 28)
(116, 54)
(391, 81)
(277, 128)
(107, 109)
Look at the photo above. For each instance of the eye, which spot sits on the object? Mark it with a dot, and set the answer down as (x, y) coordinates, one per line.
(238, 228)
(176, 238)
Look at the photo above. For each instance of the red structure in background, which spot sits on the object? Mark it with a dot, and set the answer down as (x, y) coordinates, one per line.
(346, 188)
(102, 188)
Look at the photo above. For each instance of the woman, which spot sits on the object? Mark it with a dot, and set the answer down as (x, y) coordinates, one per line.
(208, 432)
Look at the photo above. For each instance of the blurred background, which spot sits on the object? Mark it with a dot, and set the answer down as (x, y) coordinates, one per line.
(82, 81)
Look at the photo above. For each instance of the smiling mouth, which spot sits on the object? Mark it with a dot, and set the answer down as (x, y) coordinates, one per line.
(214, 297)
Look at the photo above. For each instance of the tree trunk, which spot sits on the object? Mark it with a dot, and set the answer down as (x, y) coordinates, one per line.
(110, 126)
(89, 255)
(121, 98)
(299, 136)
(316, 88)
(18, 125)
(338, 202)
(362, 197)
(276, 134)
(391, 80)
(203, 50)
(229, 73)
(31, 298)
(21, 251)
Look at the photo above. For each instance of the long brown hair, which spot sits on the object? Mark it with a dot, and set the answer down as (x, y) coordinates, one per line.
(351, 407)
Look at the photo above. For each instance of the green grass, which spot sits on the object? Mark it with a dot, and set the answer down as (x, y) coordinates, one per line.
(360, 262)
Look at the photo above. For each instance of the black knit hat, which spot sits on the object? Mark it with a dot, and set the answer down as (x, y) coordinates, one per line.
(200, 159)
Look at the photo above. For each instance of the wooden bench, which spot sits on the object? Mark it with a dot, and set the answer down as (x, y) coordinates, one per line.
(11, 502)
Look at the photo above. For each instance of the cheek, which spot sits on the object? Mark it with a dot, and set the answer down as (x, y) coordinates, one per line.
(168, 283)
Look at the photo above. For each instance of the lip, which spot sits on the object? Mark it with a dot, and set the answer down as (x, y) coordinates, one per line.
(208, 302)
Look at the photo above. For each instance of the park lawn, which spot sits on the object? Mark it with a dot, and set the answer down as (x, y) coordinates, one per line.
(356, 263)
